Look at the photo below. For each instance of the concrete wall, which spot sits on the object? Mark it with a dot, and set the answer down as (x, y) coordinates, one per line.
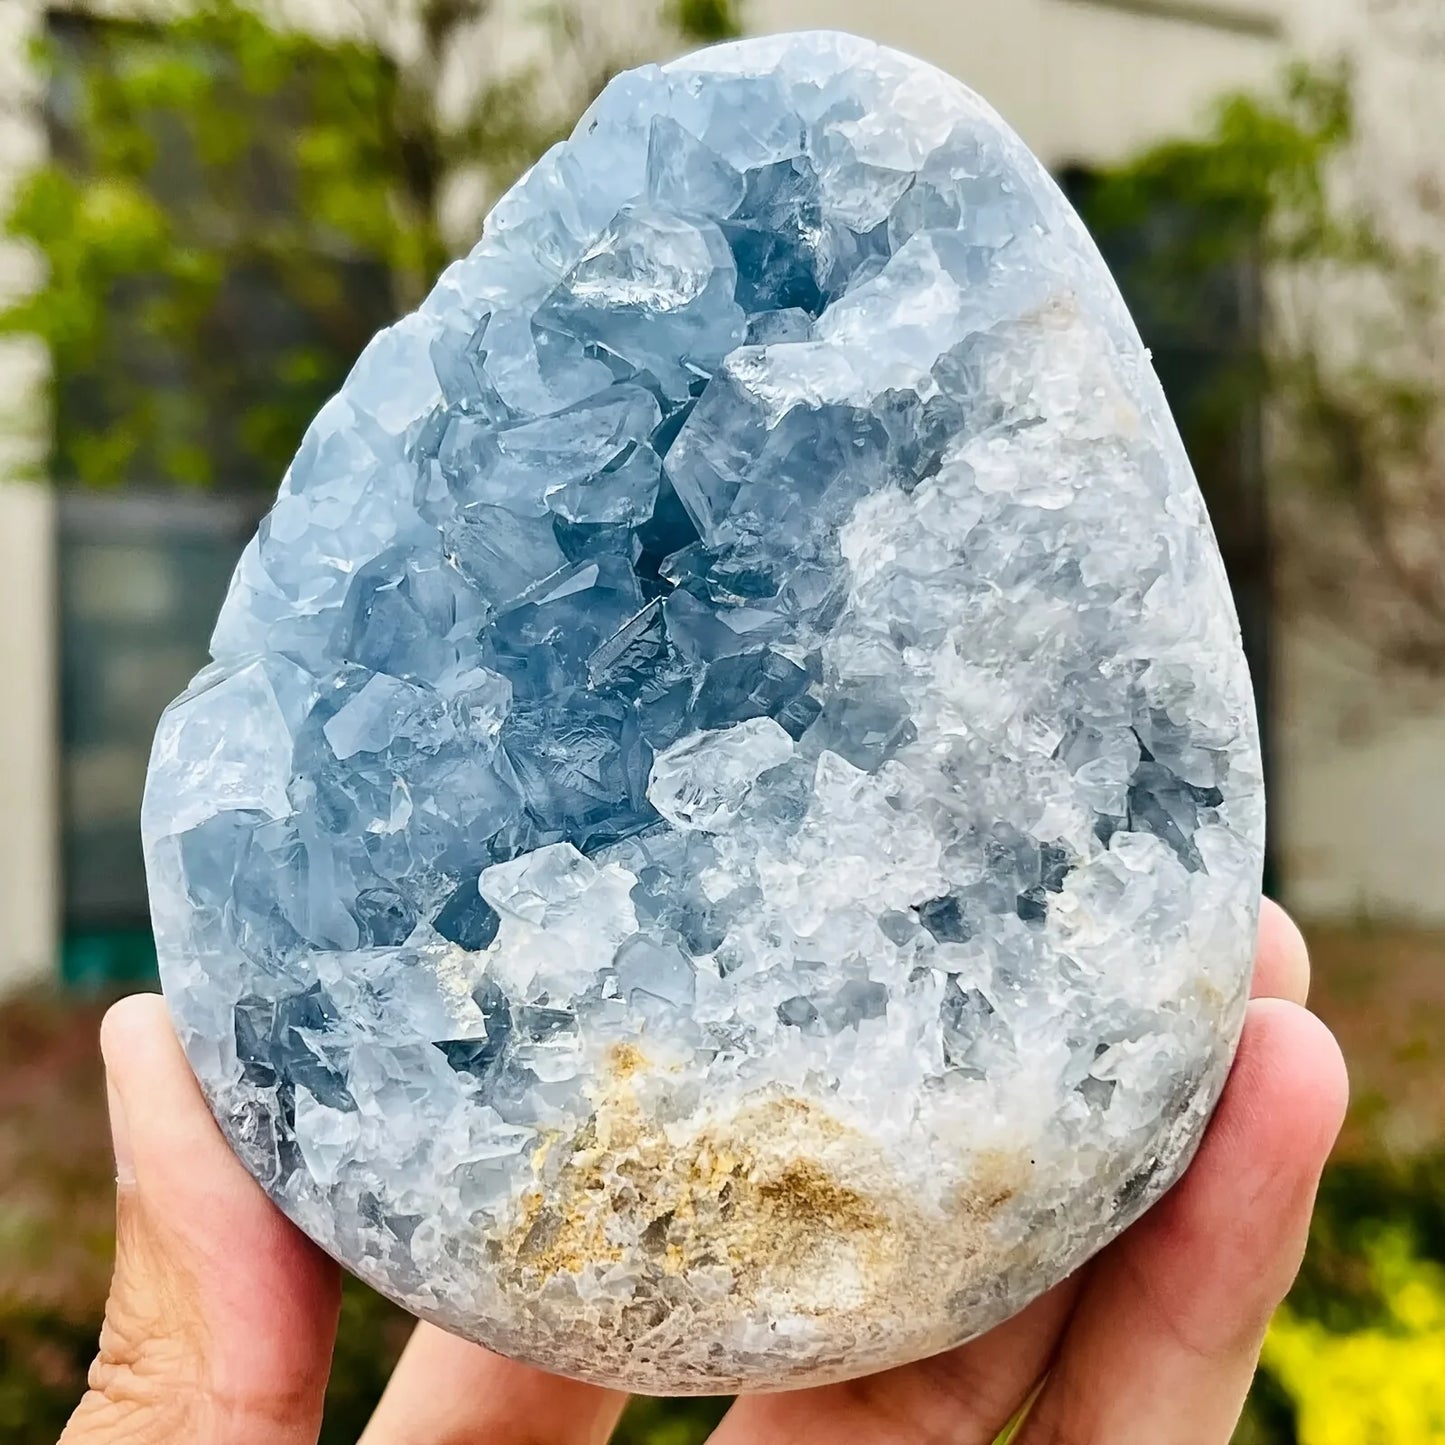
(1081, 80)
(28, 746)
(1360, 801)
(28, 842)
(1359, 804)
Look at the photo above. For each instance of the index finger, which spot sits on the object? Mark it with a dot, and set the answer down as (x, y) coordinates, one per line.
(221, 1314)
(448, 1392)
(1281, 960)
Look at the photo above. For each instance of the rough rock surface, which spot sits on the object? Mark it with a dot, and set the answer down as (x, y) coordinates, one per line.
(721, 843)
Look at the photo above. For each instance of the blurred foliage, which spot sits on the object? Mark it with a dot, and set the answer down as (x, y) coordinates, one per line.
(1258, 178)
(231, 210)
(1382, 1380)
(704, 20)
(1350, 365)
(43, 1359)
(1357, 1354)
(669, 1422)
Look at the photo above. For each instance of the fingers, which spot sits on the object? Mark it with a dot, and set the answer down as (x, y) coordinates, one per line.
(447, 1392)
(963, 1397)
(1164, 1342)
(1281, 960)
(221, 1316)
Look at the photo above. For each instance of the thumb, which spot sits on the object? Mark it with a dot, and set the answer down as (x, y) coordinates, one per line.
(221, 1316)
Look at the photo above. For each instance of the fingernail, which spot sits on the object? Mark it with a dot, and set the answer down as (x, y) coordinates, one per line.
(119, 1138)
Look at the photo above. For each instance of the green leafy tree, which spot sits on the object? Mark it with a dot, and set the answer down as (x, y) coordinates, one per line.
(231, 208)
(1351, 365)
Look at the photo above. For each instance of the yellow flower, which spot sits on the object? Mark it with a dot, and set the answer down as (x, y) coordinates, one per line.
(1381, 1384)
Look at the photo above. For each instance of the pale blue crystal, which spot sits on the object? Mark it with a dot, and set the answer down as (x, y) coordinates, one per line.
(720, 845)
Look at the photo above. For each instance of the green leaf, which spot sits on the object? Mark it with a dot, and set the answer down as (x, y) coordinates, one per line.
(233, 207)
(705, 20)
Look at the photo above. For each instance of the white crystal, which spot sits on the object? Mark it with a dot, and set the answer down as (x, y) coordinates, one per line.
(721, 846)
(703, 781)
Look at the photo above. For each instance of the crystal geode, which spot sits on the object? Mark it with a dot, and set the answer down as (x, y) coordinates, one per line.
(721, 843)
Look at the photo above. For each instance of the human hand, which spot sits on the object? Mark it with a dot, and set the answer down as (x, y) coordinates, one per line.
(221, 1316)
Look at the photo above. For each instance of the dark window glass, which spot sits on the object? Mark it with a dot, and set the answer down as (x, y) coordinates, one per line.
(1203, 329)
(141, 579)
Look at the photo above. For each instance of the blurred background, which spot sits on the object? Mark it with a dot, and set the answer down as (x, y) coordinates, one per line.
(209, 207)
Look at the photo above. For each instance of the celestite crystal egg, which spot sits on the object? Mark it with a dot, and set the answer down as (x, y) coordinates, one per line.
(720, 846)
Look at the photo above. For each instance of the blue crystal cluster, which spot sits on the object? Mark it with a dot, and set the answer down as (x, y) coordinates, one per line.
(731, 738)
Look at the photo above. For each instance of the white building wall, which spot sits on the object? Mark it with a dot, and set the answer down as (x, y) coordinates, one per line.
(28, 841)
(28, 725)
(1083, 81)
(1361, 783)
(1360, 786)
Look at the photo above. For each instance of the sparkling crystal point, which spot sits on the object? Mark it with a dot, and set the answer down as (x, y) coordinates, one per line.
(721, 843)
